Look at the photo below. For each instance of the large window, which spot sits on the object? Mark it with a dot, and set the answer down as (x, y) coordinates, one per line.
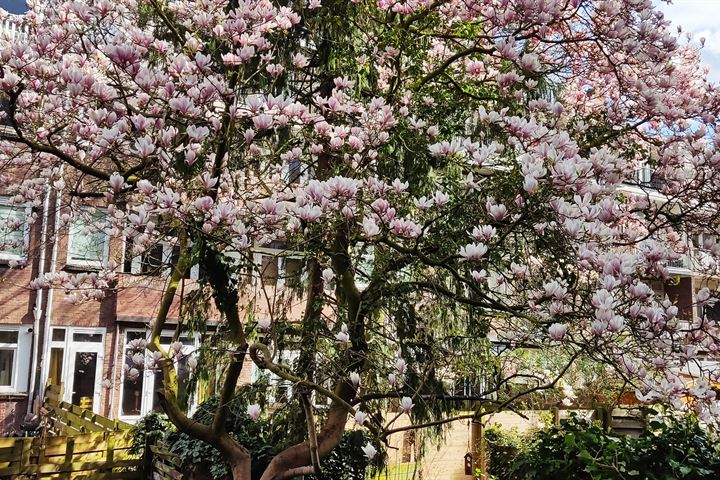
(141, 379)
(14, 359)
(88, 242)
(13, 232)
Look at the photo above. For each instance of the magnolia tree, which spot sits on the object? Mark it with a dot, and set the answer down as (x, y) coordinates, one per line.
(448, 171)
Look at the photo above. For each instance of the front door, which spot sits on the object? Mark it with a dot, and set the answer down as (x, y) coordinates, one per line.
(84, 369)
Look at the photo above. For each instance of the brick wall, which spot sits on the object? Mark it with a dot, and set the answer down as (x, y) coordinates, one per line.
(17, 302)
(12, 412)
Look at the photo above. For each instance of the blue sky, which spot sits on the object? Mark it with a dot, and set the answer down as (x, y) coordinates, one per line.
(13, 6)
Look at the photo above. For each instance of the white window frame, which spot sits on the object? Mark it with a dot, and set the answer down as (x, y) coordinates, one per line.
(6, 257)
(286, 359)
(87, 264)
(643, 174)
(148, 376)
(276, 253)
(136, 261)
(70, 347)
(302, 179)
(20, 369)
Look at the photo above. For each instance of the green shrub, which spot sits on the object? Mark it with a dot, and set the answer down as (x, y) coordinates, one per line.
(671, 449)
(502, 448)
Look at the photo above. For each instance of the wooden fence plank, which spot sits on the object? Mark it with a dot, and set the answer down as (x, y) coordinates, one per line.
(68, 458)
(71, 467)
(25, 459)
(7, 442)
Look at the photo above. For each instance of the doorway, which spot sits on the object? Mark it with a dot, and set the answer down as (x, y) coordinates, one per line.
(76, 360)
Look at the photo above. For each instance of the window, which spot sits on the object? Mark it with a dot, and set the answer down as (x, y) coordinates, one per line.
(151, 262)
(645, 176)
(712, 312)
(158, 260)
(14, 359)
(268, 270)
(292, 269)
(705, 241)
(8, 354)
(295, 172)
(140, 383)
(277, 266)
(13, 232)
(133, 370)
(88, 243)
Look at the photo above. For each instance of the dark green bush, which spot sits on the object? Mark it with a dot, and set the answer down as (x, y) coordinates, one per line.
(502, 448)
(672, 449)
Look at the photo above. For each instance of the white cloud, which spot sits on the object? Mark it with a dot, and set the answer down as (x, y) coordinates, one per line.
(700, 18)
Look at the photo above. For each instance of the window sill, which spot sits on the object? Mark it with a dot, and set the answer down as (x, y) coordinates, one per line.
(6, 259)
(8, 396)
(133, 419)
(83, 267)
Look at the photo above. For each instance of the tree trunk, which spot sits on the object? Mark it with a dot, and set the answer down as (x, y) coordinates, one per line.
(237, 456)
(296, 460)
(240, 469)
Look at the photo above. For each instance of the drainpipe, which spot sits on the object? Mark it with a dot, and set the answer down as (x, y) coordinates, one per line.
(37, 310)
(44, 361)
(113, 373)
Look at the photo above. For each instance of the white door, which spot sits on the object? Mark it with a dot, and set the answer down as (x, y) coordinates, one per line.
(83, 374)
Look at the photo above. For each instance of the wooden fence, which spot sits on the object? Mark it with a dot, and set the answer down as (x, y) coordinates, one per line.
(74, 444)
(99, 455)
(62, 418)
(162, 463)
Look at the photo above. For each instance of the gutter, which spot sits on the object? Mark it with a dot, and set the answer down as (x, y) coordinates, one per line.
(37, 310)
(45, 364)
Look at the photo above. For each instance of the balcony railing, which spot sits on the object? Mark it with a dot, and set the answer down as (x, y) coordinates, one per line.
(646, 177)
(12, 31)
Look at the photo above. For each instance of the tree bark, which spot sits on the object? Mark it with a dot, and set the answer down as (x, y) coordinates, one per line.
(295, 458)
(239, 461)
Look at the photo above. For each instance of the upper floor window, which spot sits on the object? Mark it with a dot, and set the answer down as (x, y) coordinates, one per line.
(14, 232)
(646, 176)
(158, 260)
(278, 266)
(88, 243)
(705, 241)
(295, 171)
